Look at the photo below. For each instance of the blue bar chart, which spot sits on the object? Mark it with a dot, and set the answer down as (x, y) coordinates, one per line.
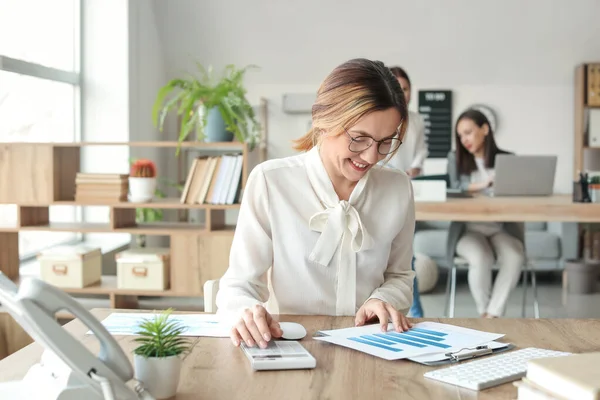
(423, 338)
(399, 341)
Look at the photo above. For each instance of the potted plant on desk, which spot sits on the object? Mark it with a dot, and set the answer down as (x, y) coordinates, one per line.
(157, 359)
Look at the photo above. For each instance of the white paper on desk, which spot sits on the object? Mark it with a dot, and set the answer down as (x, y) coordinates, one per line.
(430, 358)
(194, 324)
(424, 338)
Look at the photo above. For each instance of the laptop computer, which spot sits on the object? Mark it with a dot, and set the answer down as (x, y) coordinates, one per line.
(524, 175)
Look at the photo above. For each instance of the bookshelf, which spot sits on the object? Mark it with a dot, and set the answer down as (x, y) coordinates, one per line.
(37, 176)
(582, 149)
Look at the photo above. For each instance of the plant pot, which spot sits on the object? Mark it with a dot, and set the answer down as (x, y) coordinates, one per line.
(582, 276)
(160, 376)
(215, 130)
(595, 193)
(141, 189)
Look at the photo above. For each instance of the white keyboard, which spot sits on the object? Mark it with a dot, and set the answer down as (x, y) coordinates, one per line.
(493, 370)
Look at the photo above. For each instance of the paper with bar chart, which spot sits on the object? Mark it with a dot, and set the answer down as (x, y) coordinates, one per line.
(423, 338)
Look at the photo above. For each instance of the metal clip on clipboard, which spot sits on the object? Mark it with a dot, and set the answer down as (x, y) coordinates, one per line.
(473, 353)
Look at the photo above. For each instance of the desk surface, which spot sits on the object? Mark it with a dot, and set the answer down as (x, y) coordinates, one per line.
(519, 209)
(215, 369)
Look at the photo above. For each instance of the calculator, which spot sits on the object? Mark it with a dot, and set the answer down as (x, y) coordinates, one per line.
(279, 354)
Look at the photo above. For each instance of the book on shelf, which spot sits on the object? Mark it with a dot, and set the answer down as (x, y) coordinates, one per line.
(569, 377)
(213, 180)
(90, 187)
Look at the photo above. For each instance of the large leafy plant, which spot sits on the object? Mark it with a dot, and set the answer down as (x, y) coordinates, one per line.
(193, 96)
(161, 337)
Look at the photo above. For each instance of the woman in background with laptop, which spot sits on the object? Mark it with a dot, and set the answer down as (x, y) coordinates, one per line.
(483, 244)
(335, 233)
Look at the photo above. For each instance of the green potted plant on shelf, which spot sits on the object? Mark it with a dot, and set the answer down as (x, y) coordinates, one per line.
(158, 356)
(215, 108)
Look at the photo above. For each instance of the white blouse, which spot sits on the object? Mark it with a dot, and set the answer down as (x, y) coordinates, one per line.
(413, 151)
(328, 256)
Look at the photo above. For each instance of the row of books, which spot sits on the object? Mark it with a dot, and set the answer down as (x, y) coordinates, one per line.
(101, 187)
(213, 180)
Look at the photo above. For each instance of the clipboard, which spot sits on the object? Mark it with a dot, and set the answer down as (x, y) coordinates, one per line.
(491, 348)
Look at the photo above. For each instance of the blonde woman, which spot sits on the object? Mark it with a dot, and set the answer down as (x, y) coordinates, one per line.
(336, 232)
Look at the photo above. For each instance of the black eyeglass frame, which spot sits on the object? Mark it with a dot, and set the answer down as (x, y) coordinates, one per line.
(379, 143)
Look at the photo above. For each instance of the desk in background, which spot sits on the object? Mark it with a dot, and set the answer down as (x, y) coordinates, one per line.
(558, 208)
(216, 370)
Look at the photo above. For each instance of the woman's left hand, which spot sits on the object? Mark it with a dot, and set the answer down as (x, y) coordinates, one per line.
(384, 312)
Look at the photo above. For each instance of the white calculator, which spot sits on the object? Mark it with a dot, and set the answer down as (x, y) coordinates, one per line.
(279, 354)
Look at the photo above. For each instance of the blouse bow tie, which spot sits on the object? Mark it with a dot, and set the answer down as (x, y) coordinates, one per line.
(340, 227)
(332, 223)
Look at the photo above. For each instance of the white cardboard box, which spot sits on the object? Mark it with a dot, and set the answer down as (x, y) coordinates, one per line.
(143, 269)
(74, 266)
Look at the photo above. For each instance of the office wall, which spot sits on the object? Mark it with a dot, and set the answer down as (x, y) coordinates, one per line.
(517, 56)
(147, 74)
(123, 68)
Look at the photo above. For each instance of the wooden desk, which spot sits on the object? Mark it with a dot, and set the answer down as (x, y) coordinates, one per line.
(12, 336)
(519, 209)
(216, 370)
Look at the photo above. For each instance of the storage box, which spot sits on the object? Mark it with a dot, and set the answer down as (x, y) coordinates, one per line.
(143, 269)
(74, 266)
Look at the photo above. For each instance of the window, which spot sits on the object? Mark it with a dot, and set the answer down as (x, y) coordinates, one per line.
(39, 92)
(41, 32)
(36, 110)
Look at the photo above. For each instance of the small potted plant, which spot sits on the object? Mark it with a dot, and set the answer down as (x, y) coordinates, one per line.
(217, 109)
(594, 188)
(157, 359)
(142, 181)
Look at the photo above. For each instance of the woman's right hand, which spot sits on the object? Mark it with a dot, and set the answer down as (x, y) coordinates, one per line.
(479, 186)
(256, 326)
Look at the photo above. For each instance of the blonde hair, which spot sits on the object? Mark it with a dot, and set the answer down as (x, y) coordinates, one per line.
(352, 90)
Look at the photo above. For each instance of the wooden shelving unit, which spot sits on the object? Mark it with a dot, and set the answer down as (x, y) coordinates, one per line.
(37, 176)
(581, 145)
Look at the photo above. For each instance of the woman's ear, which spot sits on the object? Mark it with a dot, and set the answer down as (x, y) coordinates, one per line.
(486, 129)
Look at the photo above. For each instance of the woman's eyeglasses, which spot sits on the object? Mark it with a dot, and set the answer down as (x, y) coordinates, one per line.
(361, 143)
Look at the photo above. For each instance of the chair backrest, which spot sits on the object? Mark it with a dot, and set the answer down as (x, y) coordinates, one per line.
(211, 288)
(536, 226)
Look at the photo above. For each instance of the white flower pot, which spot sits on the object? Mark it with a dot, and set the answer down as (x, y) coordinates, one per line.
(141, 189)
(595, 193)
(160, 376)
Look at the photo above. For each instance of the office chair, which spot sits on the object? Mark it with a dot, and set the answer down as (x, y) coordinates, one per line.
(460, 262)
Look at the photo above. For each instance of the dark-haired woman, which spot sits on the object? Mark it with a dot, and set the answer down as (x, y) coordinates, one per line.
(483, 244)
